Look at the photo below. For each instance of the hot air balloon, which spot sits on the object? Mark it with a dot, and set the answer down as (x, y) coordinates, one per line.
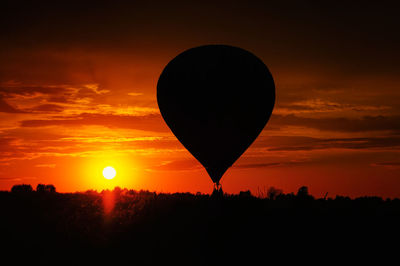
(216, 99)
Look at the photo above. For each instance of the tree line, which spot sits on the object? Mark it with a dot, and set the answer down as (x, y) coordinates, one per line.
(28, 188)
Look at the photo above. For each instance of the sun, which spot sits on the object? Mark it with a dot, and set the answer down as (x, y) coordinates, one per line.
(109, 172)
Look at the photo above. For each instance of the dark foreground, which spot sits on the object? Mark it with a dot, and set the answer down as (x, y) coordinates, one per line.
(141, 228)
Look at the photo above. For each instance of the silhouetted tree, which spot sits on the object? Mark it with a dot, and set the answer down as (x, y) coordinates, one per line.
(302, 193)
(342, 198)
(245, 194)
(117, 191)
(272, 193)
(40, 188)
(21, 188)
(50, 188)
(45, 188)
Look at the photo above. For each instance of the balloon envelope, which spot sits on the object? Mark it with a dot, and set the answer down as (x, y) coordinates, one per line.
(216, 99)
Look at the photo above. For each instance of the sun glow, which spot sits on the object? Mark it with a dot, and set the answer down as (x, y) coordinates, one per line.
(109, 172)
(124, 173)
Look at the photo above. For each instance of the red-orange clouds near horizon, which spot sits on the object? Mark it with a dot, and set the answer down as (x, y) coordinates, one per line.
(78, 92)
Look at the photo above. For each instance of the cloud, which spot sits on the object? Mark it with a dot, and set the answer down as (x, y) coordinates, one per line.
(388, 165)
(10, 179)
(6, 108)
(191, 165)
(135, 94)
(71, 100)
(52, 93)
(323, 106)
(15, 90)
(256, 165)
(18, 178)
(91, 89)
(109, 139)
(301, 143)
(27, 143)
(59, 99)
(47, 108)
(147, 122)
(178, 165)
(340, 124)
(8, 148)
(46, 165)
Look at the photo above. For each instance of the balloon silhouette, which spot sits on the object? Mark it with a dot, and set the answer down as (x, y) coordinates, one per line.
(216, 99)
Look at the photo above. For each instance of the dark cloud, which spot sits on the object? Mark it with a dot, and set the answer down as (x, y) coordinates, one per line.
(49, 95)
(389, 164)
(179, 165)
(301, 143)
(6, 108)
(5, 142)
(357, 36)
(9, 149)
(54, 91)
(159, 144)
(187, 165)
(48, 108)
(10, 178)
(256, 165)
(15, 90)
(59, 99)
(147, 123)
(340, 124)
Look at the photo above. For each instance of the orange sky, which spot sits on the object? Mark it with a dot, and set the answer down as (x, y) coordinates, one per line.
(78, 93)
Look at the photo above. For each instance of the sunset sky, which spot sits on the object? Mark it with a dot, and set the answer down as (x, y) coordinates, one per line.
(78, 93)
